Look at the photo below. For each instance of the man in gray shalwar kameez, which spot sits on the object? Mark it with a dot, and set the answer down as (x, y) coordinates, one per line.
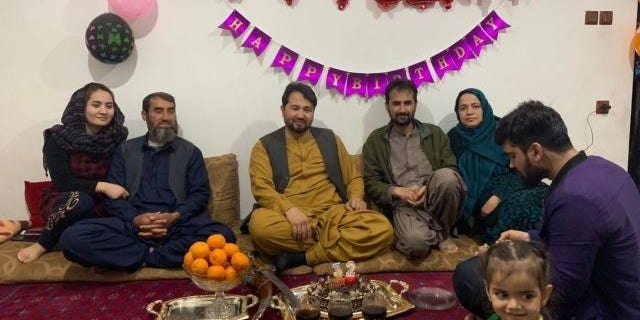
(410, 172)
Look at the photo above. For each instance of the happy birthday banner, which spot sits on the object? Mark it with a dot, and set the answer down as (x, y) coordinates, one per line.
(368, 85)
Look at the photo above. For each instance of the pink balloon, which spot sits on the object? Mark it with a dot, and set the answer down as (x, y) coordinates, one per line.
(131, 9)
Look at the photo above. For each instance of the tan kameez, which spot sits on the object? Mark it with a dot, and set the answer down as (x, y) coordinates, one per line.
(337, 234)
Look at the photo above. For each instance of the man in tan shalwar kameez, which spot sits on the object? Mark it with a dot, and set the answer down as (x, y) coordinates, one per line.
(311, 210)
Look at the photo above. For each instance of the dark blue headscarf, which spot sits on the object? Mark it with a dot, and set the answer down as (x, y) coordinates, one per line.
(480, 152)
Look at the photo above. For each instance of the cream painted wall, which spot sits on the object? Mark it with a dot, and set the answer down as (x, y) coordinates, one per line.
(227, 99)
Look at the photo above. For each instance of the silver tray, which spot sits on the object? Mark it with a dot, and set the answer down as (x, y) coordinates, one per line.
(396, 304)
(194, 307)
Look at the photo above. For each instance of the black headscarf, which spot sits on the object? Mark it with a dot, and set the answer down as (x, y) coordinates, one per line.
(72, 135)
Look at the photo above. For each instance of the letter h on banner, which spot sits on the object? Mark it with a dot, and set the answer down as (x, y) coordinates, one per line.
(235, 23)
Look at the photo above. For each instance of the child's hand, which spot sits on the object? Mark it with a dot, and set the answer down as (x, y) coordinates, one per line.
(510, 235)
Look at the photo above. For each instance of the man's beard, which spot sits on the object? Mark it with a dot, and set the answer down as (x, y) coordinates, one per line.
(163, 134)
(291, 125)
(403, 119)
(532, 175)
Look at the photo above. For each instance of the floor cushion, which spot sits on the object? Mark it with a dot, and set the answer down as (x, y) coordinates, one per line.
(32, 195)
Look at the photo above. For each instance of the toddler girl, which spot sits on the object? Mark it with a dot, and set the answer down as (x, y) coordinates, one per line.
(516, 274)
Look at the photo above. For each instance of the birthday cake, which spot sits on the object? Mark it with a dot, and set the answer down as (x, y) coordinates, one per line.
(356, 286)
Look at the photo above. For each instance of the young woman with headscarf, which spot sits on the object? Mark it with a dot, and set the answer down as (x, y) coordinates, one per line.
(77, 155)
(497, 198)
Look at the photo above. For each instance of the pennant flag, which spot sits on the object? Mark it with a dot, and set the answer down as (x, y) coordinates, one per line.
(285, 59)
(356, 84)
(443, 62)
(336, 79)
(310, 72)
(492, 24)
(477, 39)
(420, 73)
(376, 84)
(257, 40)
(371, 85)
(235, 23)
(397, 74)
(461, 51)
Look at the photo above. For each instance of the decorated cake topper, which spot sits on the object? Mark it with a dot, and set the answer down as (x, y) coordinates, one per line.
(350, 277)
(337, 270)
(342, 276)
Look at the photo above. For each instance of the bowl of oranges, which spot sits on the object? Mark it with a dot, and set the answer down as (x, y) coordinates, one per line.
(215, 265)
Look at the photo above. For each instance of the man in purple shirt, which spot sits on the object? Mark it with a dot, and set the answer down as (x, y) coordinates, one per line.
(591, 224)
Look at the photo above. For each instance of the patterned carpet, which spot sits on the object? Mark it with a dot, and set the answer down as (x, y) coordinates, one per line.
(127, 300)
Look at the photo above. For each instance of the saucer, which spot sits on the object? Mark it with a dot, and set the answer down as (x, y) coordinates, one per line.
(431, 298)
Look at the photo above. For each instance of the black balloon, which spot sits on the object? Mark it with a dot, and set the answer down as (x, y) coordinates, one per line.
(109, 38)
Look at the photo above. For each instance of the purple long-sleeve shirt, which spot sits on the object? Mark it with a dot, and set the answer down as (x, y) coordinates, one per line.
(591, 228)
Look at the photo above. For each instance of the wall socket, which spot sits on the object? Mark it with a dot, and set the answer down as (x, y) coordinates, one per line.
(602, 107)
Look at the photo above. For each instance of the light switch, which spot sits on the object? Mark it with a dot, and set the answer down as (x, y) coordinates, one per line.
(591, 17)
(606, 18)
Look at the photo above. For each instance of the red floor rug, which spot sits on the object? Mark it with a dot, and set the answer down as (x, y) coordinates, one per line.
(128, 300)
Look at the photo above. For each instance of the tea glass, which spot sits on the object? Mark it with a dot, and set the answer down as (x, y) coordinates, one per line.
(339, 307)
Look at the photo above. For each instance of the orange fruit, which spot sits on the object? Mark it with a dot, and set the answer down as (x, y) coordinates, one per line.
(240, 261)
(218, 257)
(230, 249)
(216, 241)
(199, 249)
(199, 266)
(216, 273)
(188, 259)
(230, 273)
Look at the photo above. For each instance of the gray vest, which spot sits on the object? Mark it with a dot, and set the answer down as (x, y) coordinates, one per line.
(275, 145)
(178, 163)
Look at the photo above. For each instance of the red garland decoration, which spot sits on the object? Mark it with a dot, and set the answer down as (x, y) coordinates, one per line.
(387, 4)
(420, 4)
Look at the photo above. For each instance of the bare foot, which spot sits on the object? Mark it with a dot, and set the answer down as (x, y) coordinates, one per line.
(31, 253)
(448, 246)
(8, 229)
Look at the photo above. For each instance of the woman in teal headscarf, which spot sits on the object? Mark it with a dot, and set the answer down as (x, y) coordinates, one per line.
(497, 199)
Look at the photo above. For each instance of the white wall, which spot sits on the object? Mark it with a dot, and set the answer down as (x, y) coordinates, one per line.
(227, 99)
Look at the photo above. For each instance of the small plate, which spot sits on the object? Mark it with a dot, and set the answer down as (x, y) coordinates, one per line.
(431, 298)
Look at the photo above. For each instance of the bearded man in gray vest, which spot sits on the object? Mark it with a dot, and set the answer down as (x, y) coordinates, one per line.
(309, 194)
(166, 210)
